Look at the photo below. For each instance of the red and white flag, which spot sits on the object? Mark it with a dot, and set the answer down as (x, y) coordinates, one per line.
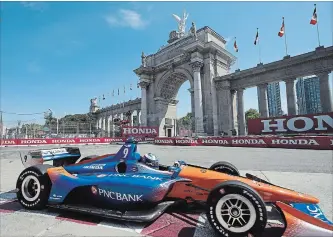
(257, 38)
(281, 32)
(235, 46)
(314, 16)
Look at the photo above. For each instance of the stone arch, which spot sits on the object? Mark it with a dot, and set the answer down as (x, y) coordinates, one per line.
(170, 82)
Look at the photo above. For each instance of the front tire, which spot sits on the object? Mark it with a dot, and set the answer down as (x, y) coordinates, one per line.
(236, 210)
(33, 185)
(225, 167)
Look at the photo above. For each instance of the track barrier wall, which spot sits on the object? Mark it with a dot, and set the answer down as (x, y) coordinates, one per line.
(299, 142)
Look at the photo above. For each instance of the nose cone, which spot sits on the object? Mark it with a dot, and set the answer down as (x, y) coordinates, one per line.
(274, 193)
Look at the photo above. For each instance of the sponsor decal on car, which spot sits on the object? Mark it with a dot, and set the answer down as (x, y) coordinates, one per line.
(124, 197)
(54, 151)
(130, 176)
(94, 166)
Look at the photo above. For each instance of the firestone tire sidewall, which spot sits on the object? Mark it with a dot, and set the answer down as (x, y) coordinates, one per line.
(45, 187)
(259, 206)
(226, 168)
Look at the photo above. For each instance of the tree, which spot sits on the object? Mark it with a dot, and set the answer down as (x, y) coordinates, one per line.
(186, 120)
(251, 114)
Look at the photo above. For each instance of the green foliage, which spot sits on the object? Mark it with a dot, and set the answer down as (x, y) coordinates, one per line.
(75, 118)
(251, 114)
(186, 120)
(31, 127)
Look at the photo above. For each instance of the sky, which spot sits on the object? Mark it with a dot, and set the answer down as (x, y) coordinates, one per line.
(59, 55)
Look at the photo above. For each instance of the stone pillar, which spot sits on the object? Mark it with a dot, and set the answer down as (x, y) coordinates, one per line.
(199, 128)
(224, 104)
(262, 100)
(234, 110)
(103, 127)
(240, 112)
(325, 94)
(144, 111)
(192, 108)
(291, 99)
(215, 110)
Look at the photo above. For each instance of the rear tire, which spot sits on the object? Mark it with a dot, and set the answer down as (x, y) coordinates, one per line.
(225, 167)
(34, 186)
(234, 209)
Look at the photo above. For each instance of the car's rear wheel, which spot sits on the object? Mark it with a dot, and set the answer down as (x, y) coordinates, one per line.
(236, 210)
(33, 187)
(225, 167)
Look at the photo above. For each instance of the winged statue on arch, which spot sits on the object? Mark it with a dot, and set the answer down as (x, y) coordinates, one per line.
(181, 22)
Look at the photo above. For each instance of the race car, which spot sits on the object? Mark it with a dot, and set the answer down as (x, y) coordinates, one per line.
(125, 186)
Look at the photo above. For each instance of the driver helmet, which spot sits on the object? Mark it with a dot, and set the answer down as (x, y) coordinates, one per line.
(150, 160)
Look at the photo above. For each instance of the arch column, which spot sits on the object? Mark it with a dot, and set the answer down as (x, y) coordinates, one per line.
(325, 94)
(192, 107)
(224, 106)
(215, 109)
(262, 100)
(109, 125)
(144, 111)
(196, 67)
(240, 112)
(291, 99)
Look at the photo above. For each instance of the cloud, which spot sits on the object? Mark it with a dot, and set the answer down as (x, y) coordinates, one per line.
(35, 6)
(126, 18)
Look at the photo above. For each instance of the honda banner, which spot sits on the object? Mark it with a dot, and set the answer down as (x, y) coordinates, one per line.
(315, 123)
(138, 131)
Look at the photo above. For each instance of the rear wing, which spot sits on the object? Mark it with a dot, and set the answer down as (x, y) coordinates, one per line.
(40, 156)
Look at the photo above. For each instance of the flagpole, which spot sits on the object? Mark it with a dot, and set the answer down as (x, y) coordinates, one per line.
(237, 60)
(259, 46)
(285, 37)
(317, 25)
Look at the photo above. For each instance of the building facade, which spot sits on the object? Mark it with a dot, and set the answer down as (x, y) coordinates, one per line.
(274, 99)
(308, 95)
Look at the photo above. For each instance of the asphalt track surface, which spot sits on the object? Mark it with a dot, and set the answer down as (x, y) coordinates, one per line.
(308, 171)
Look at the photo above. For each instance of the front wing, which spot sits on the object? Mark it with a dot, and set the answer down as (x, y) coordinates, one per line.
(305, 220)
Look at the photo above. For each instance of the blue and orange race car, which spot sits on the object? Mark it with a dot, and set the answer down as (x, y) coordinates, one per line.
(122, 187)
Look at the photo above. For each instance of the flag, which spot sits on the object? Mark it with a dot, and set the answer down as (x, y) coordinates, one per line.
(314, 16)
(131, 86)
(257, 38)
(103, 97)
(281, 32)
(235, 46)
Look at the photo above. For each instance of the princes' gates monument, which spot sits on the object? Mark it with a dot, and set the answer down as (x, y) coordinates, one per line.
(200, 57)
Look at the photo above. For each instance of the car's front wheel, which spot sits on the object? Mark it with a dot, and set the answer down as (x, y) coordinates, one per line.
(33, 187)
(236, 210)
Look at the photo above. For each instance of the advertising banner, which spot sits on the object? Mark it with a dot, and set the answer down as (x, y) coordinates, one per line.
(137, 131)
(300, 124)
(299, 142)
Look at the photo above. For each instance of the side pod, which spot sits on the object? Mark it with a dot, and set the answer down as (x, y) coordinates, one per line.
(301, 224)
